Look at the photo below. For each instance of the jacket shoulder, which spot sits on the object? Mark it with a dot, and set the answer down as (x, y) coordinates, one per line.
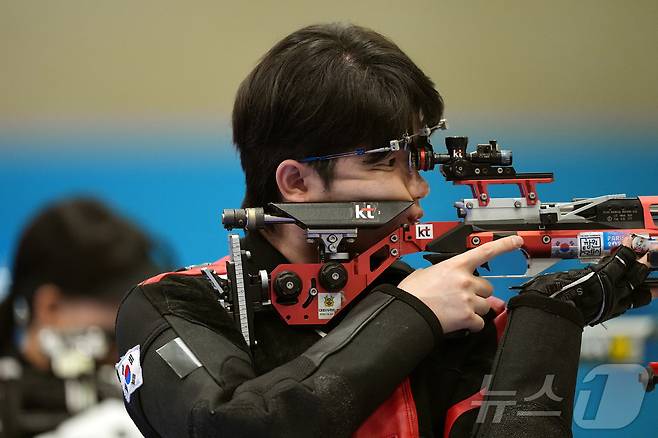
(188, 294)
(218, 267)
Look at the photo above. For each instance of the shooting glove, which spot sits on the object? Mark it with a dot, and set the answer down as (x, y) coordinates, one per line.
(602, 291)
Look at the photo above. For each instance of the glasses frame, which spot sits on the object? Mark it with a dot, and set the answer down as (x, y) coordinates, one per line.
(403, 143)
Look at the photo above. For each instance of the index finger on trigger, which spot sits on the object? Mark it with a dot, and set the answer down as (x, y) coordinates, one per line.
(482, 287)
(476, 257)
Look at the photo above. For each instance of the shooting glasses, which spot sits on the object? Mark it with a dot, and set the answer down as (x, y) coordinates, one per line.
(421, 156)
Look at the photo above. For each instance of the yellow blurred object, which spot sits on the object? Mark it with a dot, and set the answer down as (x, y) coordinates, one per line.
(621, 348)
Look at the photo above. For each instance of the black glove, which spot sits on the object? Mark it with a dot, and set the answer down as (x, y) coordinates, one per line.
(600, 292)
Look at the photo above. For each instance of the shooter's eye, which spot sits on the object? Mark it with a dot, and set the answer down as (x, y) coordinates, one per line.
(382, 159)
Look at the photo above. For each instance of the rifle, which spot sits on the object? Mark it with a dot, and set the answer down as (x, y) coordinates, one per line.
(313, 293)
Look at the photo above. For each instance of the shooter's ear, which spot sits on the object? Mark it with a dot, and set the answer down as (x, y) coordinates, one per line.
(298, 182)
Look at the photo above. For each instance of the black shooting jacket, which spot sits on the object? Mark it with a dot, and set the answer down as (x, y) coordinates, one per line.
(294, 382)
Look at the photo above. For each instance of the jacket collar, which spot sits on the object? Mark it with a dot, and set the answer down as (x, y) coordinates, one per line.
(264, 255)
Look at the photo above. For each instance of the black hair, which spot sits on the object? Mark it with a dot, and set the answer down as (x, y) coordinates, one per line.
(325, 89)
(81, 247)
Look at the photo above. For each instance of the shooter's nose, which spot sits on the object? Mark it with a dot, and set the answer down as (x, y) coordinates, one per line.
(418, 187)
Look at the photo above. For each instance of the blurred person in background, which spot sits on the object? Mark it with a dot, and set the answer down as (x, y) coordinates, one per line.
(73, 263)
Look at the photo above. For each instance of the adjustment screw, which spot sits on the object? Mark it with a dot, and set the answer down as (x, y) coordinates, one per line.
(484, 196)
(333, 276)
(394, 238)
(469, 205)
(475, 240)
(517, 204)
(532, 195)
(546, 239)
(287, 285)
(499, 170)
(394, 252)
(332, 238)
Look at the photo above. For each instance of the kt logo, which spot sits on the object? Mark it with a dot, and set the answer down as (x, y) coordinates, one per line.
(424, 231)
(366, 212)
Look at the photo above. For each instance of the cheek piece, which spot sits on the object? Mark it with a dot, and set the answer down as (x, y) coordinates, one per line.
(599, 292)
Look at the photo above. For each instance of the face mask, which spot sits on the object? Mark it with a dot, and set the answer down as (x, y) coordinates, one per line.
(74, 353)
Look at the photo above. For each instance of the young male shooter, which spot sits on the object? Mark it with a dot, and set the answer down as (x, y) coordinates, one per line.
(386, 366)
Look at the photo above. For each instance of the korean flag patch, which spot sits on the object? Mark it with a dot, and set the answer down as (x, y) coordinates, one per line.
(129, 372)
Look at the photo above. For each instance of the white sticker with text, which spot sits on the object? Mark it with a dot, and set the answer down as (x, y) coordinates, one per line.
(328, 304)
(424, 231)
